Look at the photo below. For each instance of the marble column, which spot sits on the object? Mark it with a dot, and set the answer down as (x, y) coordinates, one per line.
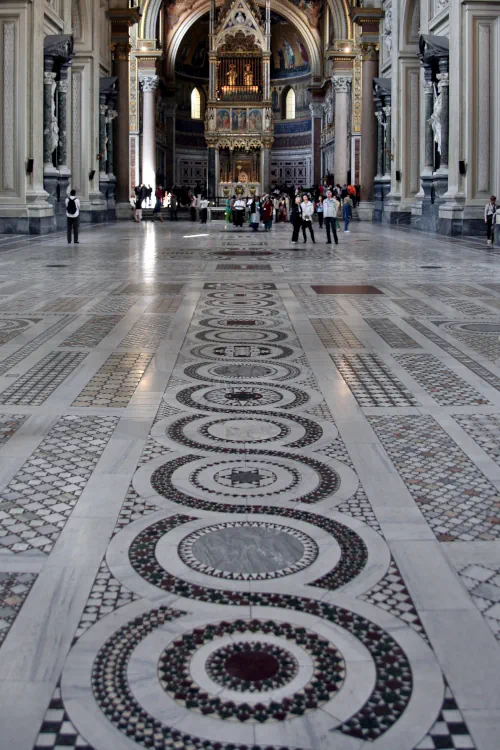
(368, 165)
(429, 133)
(266, 73)
(388, 140)
(170, 110)
(212, 62)
(316, 110)
(211, 173)
(380, 142)
(342, 87)
(103, 108)
(149, 86)
(50, 127)
(62, 119)
(265, 156)
(121, 51)
(111, 115)
(444, 86)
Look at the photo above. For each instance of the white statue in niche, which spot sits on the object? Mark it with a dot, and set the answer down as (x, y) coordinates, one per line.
(240, 18)
(267, 118)
(436, 117)
(54, 128)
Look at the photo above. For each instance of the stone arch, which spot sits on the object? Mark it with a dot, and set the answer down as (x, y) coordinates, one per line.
(149, 20)
(411, 22)
(287, 10)
(341, 20)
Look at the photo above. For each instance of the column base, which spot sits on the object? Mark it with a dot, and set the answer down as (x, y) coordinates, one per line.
(56, 184)
(394, 213)
(123, 211)
(381, 188)
(365, 210)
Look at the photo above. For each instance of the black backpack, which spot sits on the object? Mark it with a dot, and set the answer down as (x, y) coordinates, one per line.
(71, 207)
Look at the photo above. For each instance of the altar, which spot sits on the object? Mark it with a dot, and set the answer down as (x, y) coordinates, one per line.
(238, 120)
(239, 189)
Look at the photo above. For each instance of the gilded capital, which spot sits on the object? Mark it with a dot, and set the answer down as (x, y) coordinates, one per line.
(121, 51)
(369, 51)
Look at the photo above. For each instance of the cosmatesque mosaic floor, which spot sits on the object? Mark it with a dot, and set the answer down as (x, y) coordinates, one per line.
(249, 494)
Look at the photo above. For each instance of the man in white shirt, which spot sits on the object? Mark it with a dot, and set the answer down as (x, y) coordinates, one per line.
(239, 212)
(203, 210)
(73, 216)
(330, 212)
(307, 215)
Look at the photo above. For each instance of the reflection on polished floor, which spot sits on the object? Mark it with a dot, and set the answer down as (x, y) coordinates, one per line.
(250, 494)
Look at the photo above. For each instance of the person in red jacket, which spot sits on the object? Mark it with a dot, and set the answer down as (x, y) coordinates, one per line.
(267, 214)
(351, 190)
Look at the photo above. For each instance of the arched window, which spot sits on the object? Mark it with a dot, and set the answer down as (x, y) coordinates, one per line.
(290, 105)
(195, 104)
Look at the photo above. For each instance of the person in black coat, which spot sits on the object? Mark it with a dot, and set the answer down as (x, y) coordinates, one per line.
(296, 218)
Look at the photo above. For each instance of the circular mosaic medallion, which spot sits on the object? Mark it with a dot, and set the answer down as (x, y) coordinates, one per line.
(479, 327)
(240, 303)
(271, 477)
(242, 335)
(248, 551)
(238, 432)
(250, 667)
(243, 296)
(246, 312)
(244, 397)
(243, 352)
(231, 371)
(242, 321)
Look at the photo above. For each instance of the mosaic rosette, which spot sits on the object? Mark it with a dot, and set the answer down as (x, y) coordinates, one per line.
(237, 431)
(243, 396)
(234, 313)
(231, 371)
(243, 352)
(234, 668)
(241, 335)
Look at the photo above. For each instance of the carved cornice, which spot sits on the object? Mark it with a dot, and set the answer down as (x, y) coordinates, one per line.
(58, 46)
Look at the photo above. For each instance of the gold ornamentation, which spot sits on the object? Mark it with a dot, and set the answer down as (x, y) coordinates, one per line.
(239, 42)
(121, 51)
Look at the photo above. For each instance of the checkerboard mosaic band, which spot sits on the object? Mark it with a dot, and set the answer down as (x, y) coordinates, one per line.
(42, 380)
(371, 381)
(464, 359)
(441, 383)
(36, 504)
(457, 500)
(450, 731)
(336, 334)
(115, 382)
(392, 333)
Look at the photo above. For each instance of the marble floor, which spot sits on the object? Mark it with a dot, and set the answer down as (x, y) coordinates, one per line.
(249, 492)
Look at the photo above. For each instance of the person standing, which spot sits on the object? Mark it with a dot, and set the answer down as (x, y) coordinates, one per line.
(204, 210)
(142, 193)
(276, 206)
(347, 213)
(173, 207)
(158, 207)
(267, 214)
(239, 212)
(330, 211)
(138, 208)
(149, 193)
(255, 213)
(73, 217)
(319, 211)
(192, 207)
(490, 217)
(307, 216)
(296, 219)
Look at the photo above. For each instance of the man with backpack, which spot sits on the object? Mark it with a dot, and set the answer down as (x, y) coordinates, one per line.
(490, 217)
(73, 216)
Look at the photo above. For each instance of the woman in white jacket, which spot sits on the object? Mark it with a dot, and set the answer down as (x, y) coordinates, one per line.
(307, 217)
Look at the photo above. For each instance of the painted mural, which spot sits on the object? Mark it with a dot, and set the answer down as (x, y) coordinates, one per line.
(255, 119)
(289, 57)
(239, 122)
(223, 119)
